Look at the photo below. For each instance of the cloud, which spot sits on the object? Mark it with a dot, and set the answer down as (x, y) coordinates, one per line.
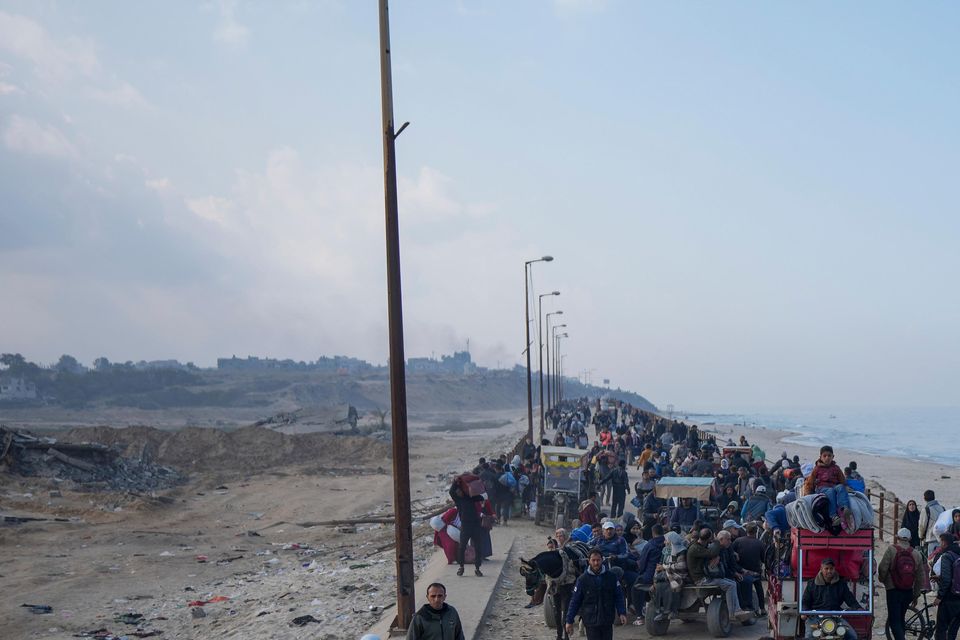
(26, 135)
(7, 89)
(157, 184)
(125, 96)
(228, 30)
(52, 60)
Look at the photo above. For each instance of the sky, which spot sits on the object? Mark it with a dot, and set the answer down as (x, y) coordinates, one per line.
(749, 205)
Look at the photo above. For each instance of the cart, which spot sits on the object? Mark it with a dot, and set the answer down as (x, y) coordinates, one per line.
(853, 555)
(560, 492)
(683, 487)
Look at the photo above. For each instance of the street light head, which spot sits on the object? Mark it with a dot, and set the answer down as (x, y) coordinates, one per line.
(547, 258)
(559, 313)
(555, 293)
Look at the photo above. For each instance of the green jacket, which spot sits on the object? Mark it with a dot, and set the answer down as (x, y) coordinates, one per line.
(430, 624)
(697, 556)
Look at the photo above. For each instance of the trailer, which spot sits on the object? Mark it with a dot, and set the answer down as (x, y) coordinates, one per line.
(799, 563)
(562, 487)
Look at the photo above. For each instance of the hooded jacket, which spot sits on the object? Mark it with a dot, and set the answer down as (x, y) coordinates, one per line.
(757, 505)
(944, 591)
(431, 624)
(649, 559)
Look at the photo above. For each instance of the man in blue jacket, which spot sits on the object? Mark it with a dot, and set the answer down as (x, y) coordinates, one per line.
(598, 599)
(646, 567)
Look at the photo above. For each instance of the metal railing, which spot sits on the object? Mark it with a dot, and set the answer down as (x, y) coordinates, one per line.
(889, 509)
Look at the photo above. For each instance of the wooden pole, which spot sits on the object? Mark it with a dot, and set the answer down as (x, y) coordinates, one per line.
(403, 528)
(882, 496)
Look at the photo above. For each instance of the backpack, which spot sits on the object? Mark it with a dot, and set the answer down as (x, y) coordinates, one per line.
(507, 480)
(903, 569)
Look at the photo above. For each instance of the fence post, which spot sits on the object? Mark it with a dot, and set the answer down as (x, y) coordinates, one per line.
(882, 496)
(896, 517)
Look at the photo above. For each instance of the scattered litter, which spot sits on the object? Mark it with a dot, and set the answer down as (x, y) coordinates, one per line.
(129, 618)
(202, 558)
(200, 603)
(253, 534)
(165, 554)
(197, 612)
(303, 621)
(39, 609)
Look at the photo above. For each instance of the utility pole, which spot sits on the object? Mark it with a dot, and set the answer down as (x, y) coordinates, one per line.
(403, 529)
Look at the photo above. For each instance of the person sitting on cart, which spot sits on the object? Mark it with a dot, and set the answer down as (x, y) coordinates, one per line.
(685, 514)
(828, 592)
(705, 570)
(615, 551)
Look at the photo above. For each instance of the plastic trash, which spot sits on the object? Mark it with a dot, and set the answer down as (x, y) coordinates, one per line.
(38, 609)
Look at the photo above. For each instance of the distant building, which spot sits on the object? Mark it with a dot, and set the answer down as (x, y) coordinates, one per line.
(335, 364)
(459, 363)
(17, 389)
(143, 365)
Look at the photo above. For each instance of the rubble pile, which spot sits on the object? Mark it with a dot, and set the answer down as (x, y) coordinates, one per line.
(90, 465)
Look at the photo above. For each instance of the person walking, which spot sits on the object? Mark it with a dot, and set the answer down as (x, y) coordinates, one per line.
(469, 525)
(901, 572)
(928, 517)
(620, 487)
(948, 591)
(598, 598)
(436, 620)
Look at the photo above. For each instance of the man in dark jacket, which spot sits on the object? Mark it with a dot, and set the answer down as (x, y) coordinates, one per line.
(947, 602)
(750, 552)
(620, 483)
(436, 620)
(470, 524)
(598, 598)
(828, 592)
(646, 567)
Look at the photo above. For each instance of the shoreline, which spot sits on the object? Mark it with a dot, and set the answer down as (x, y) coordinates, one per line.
(907, 478)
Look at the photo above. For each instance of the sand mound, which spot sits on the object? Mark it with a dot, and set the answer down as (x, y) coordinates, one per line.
(246, 449)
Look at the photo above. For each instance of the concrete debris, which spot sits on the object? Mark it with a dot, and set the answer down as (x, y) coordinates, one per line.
(89, 465)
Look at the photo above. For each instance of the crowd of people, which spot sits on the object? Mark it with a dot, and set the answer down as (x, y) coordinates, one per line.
(643, 552)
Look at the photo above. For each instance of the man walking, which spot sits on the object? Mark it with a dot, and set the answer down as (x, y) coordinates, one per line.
(948, 591)
(469, 524)
(928, 517)
(620, 486)
(598, 598)
(901, 572)
(436, 620)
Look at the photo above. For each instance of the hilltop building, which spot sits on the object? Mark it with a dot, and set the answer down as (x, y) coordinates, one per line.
(17, 389)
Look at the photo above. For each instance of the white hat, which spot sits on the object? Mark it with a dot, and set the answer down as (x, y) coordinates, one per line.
(761, 489)
(904, 534)
(609, 525)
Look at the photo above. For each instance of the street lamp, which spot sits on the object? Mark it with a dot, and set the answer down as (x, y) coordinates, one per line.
(559, 368)
(526, 348)
(551, 332)
(540, 339)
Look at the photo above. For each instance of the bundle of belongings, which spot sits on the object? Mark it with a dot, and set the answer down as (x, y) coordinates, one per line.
(830, 504)
(820, 512)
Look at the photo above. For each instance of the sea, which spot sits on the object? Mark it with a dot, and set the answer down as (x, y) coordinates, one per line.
(918, 433)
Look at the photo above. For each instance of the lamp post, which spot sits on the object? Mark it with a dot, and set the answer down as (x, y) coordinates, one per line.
(559, 368)
(551, 332)
(561, 373)
(540, 339)
(526, 348)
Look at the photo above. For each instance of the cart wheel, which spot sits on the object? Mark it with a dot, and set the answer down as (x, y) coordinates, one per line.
(549, 612)
(718, 618)
(655, 628)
